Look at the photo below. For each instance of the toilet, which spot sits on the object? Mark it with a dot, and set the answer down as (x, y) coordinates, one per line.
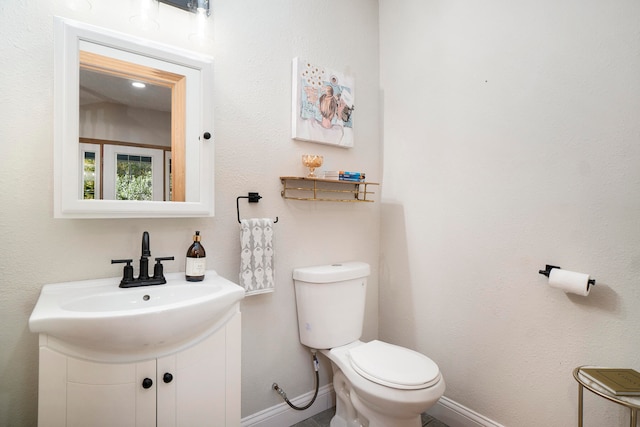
(377, 384)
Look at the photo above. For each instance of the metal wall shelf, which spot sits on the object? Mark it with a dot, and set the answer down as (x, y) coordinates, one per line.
(325, 190)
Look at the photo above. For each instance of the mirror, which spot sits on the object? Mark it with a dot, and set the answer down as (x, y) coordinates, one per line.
(126, 119)
(122, 151)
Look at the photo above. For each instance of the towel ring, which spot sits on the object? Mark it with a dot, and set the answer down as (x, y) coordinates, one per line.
(253, 198)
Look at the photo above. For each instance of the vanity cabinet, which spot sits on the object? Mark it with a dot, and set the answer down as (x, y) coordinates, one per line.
(196, 386)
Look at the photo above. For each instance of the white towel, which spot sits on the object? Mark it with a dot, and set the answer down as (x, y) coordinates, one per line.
(257, 274)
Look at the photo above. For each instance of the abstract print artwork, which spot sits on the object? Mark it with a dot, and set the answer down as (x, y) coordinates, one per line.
(323, 105)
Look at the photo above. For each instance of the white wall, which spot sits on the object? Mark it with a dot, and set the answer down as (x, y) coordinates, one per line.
(511, 140)
(254, 43)
(114, 122)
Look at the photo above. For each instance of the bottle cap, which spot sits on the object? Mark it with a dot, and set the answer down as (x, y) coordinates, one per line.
(196, 237)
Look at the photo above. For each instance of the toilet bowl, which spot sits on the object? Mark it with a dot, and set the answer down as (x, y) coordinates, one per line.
(377, 384)
(388, 385)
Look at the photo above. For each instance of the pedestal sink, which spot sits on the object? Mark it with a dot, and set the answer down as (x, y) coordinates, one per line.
(97, 320)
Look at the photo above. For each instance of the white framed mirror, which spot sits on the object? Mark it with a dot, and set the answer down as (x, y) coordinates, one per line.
(127, 152)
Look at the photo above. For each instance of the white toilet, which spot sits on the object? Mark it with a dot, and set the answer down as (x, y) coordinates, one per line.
(377, 384)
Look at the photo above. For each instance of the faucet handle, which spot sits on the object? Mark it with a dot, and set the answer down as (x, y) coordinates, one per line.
(158, 268)
(127, 273)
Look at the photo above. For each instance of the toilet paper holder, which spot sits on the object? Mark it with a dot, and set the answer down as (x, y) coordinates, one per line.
(548, 269)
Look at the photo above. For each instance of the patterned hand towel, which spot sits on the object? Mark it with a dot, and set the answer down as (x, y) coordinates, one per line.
(257, 275)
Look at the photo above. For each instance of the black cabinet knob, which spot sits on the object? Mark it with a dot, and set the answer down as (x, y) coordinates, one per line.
(207, 135)
(147, 383)
(167, 378)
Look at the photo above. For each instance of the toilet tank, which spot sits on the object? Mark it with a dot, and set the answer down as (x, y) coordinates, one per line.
(330, 302)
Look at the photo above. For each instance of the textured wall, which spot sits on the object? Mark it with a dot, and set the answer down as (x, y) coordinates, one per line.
(511, 140)
(253, 44)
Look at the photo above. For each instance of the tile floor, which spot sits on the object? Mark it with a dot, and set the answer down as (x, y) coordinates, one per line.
(324, 418)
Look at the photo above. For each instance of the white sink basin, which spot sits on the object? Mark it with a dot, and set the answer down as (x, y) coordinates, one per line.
(98, 320)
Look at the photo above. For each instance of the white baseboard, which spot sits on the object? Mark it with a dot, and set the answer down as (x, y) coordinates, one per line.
(446, 410)
(454, 414)
(283, 415)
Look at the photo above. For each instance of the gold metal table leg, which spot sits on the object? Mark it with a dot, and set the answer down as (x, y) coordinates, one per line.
(580, 390)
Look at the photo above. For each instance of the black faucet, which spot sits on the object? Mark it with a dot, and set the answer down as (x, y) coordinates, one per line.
(128, 281)
(144, 260)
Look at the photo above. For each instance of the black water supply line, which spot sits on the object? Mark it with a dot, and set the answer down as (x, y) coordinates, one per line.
(308, 405)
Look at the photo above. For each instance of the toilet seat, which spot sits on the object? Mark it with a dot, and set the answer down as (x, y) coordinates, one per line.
(394, 366)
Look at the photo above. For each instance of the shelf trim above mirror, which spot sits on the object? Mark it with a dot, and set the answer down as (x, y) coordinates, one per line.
(191, 99)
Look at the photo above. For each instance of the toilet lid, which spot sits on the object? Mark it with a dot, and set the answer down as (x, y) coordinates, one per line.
(394, 366)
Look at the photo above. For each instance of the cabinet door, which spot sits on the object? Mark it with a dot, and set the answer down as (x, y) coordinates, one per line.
(101, 394)
(197, 394)
(74, 392)
(52, 383)
(233, 372)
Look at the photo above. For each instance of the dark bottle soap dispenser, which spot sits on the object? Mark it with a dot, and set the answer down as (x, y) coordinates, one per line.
(196, 262)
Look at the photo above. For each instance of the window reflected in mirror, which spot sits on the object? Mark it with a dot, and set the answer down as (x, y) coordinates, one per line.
(134, 177)
(89, 176)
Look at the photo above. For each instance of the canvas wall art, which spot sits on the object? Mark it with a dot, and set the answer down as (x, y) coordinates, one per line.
(323, 105)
